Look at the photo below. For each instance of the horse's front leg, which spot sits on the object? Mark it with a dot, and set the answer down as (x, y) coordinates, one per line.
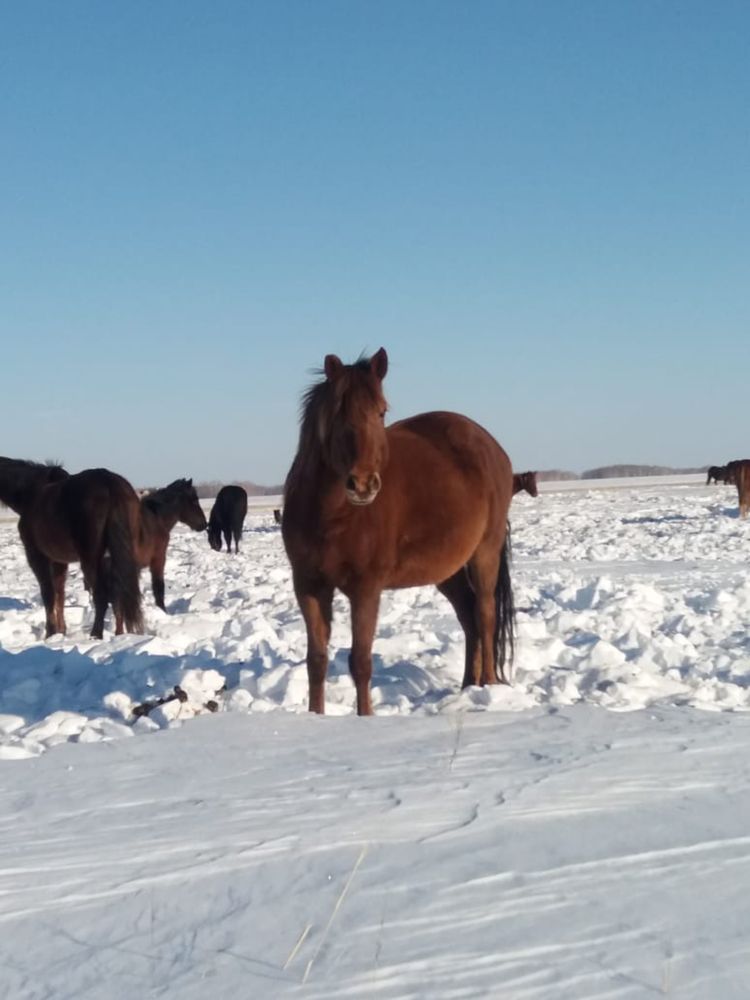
(157, 577)
(42, 570)
(364, 620)
(317, 610)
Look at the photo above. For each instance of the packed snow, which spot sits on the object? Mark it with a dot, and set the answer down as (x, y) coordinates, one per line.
(582, 833)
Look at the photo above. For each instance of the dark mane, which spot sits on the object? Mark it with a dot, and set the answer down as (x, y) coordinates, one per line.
(157, 500)
(20, 478)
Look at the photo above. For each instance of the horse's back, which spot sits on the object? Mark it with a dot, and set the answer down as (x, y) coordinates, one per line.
(452, 447)
(231, 501)
(446, 489)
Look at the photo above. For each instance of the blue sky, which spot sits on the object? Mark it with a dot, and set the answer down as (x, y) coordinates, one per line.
(541, 210)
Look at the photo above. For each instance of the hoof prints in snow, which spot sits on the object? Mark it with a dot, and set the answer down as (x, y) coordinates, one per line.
(627, 599)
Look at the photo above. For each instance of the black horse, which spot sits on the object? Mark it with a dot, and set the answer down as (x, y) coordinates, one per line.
(719, 474)
(227, 517)
(90, 518)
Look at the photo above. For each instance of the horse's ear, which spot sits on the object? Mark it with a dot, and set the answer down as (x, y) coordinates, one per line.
(379, 363)
(190, 481)
(332, 366)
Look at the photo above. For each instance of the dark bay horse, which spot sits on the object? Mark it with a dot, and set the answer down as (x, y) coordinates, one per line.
(717, 473)
(91, 518)
(160, 510)
(227, 517)
(369, 508)
(525, 481)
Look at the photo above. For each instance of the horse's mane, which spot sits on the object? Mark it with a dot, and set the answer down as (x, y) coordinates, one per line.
(320, 405)
(157, 500)
(19, 477)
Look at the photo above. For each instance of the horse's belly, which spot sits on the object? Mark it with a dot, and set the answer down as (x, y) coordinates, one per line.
(428, 564)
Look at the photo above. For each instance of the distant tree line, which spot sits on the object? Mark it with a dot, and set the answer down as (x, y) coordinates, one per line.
(211, 488)
(617, 472)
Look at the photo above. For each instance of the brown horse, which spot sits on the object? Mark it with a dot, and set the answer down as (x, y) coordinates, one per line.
(160, 512)
(738, 472)
(368, 508)
(82, 518)
(525, 481)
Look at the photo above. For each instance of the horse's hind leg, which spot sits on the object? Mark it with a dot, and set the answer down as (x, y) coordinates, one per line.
(484, 569)
(457, 590)
(316, 606)
(59, 573)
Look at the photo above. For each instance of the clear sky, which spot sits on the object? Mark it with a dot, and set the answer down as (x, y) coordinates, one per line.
(540, 209)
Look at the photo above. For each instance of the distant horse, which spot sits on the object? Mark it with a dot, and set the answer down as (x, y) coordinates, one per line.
(227, 517)
(368, 508)
(160, 511)
(717, 473)
(525, 481)
(277, 515)
(82, 518)
(738, 472)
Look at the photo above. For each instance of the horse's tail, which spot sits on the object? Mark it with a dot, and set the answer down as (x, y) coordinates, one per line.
(123, 572)
(505, 615)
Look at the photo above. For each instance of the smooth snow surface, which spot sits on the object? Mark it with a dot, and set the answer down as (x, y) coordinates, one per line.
(582, 834)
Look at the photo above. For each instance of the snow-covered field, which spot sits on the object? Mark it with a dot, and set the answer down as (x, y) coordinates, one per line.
(584, 833)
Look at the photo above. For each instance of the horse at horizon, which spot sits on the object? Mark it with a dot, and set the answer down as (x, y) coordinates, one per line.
(227, 517)
(90, 518)
(160, 510)
(719, 474)
(369, 508)
(525, 481)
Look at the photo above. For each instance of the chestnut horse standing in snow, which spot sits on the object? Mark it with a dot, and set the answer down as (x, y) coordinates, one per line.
(738, 472)
(369, 508)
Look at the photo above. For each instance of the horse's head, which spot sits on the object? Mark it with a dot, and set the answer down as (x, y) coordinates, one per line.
(190, 510)
(351, 424)
(214, 536)
(531, 486)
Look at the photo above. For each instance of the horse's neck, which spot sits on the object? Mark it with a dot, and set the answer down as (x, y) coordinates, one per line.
(154, 522)
(316, 492)
(18, 495)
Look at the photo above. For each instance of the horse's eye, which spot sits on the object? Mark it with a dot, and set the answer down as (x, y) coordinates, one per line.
(382, 414)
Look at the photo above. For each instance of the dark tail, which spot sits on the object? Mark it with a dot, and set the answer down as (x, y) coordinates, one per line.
(505, 615)
(123, 570)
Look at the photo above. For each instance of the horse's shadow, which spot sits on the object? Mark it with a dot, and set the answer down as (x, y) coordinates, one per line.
(14, 604)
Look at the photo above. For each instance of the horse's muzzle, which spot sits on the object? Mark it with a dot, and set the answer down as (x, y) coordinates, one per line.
(363, 494)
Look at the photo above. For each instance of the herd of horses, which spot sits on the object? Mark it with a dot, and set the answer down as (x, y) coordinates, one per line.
(367, 507)
(97, 519)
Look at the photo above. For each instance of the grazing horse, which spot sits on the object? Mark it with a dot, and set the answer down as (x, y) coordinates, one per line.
(227, 517)
(525, 481)
(91, 518)
(717, 473)
(160, 511)
(369, 508)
